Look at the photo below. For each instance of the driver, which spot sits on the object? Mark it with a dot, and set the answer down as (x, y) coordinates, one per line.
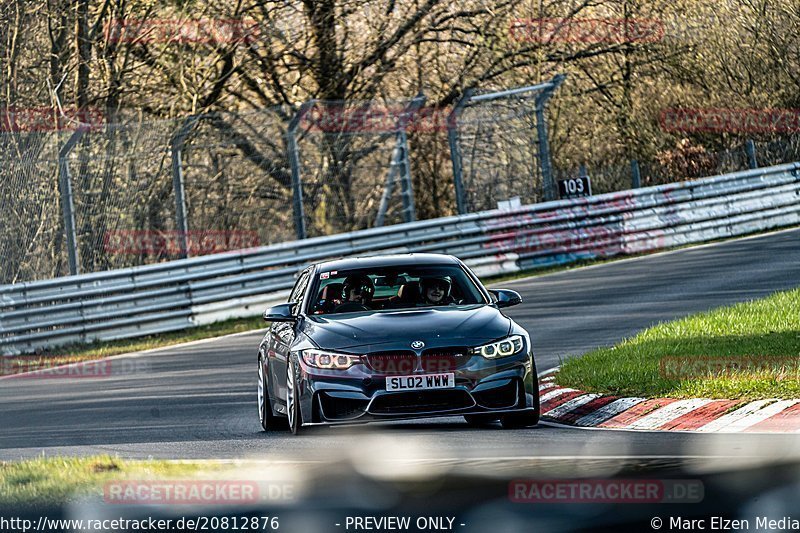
(357, 292)
(436, 291)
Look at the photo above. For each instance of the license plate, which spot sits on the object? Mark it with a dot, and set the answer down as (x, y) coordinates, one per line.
(422, 381)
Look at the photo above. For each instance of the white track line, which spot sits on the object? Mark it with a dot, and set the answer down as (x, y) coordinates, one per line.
(554, 393)
(661, 416)
(608, 411)
(568, 406)
(740, 418)
(545, 386)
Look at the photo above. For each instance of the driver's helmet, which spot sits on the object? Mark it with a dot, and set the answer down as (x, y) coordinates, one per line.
(443, 282)
(361, 284)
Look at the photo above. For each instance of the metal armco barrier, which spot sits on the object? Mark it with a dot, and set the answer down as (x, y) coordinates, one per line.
(179, 294)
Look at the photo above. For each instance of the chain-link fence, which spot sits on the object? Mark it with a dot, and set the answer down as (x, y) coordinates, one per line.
(775, 152)
(499, 147)
(353, 159)
(236, 179)
(669, 167)
(31, 226)
(684, 162)
(122, 194)
(95, 196)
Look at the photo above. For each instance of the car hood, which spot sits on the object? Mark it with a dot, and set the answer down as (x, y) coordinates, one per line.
(385, 330)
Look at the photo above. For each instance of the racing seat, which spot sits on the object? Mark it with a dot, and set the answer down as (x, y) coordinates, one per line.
(409, 293)
(330, 297)
(407, 296)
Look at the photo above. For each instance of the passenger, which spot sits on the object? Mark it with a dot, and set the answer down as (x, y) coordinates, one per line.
(436, 291)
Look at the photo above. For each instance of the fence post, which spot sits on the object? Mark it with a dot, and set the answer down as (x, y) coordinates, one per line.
(67, 204)
(294, 163)
(636, 176)
(176, 148)
(406, 187)
(401, 164)
(750, 148)
(544, 146)
(455, 149)
(387, 193)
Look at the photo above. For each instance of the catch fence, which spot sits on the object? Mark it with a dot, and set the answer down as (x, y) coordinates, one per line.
(179, 294)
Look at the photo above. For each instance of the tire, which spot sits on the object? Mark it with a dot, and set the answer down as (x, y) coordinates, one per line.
(268, 420)
(520, 420)
(292, 402)
(479, 421)
(528, 418)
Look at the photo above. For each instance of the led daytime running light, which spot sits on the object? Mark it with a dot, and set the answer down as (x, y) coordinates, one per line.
(329, 360)
(503, 348)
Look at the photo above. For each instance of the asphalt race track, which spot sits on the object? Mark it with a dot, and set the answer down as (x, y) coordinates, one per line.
(198, 401)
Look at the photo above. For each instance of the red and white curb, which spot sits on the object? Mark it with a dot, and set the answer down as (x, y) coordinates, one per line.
(573, 407)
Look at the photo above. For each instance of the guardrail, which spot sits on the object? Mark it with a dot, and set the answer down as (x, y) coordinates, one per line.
(179, 294)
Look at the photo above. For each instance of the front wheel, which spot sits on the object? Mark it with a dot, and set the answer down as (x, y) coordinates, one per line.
(293, 399)
(269, 422)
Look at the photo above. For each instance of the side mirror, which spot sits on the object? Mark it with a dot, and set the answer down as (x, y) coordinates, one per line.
(280, 313)
(506, 297)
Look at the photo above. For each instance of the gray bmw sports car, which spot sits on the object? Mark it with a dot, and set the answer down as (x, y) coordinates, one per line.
(394, 337)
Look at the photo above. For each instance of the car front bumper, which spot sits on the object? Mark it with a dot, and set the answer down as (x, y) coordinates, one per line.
(482, 386)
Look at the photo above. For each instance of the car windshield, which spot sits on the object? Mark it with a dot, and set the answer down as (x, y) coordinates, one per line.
(391, 288)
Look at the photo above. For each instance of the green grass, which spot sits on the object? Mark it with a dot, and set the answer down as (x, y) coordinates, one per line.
(48, 482)
(746, 351)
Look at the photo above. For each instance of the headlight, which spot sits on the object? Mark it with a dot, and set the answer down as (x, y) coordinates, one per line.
(330, 360)
(510, 346)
